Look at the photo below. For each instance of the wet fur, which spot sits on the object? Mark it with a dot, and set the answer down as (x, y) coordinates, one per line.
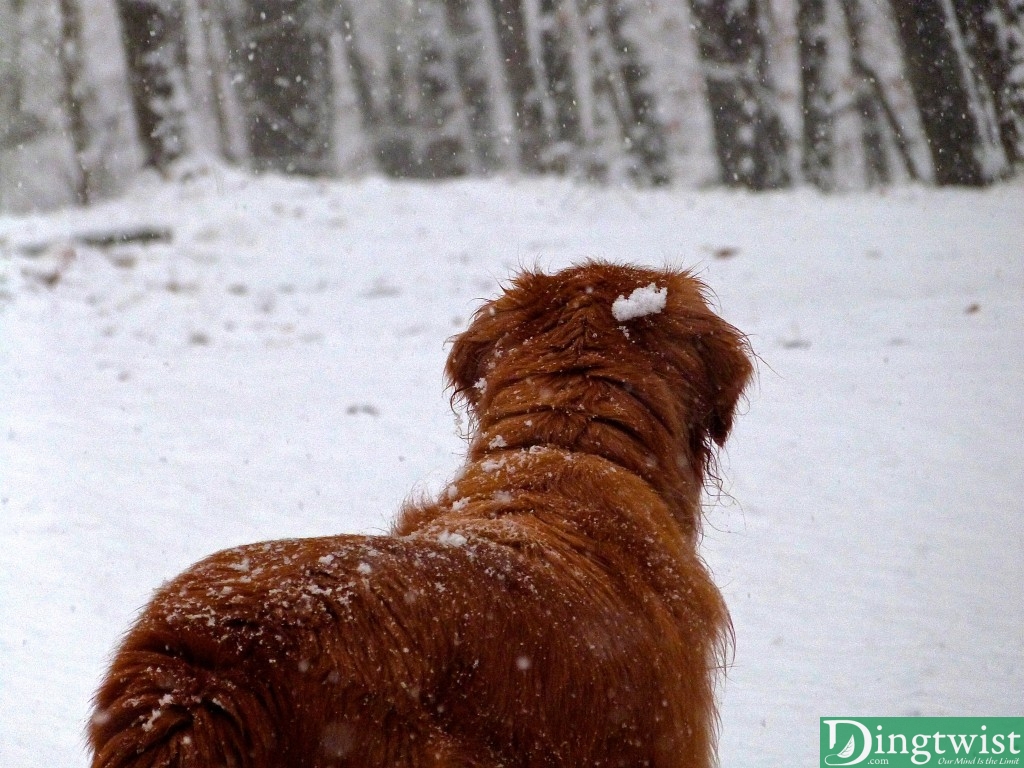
(549, 609)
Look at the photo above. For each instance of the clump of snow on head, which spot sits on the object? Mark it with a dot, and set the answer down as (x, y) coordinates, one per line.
(648, 300)
(450, 539)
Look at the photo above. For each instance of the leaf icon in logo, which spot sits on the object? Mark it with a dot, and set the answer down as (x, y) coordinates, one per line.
(846, 756)
(847, 750)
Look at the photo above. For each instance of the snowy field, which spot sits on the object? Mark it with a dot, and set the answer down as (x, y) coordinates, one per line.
(270, 366)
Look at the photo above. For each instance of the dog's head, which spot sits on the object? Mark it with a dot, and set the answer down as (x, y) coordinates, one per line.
(635, 349)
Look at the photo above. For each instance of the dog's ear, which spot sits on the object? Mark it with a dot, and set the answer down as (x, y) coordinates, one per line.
(726, 357)
(474, 350)
(723, 356)
(469, 353)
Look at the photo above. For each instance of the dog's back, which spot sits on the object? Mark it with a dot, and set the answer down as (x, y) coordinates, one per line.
(549, 608)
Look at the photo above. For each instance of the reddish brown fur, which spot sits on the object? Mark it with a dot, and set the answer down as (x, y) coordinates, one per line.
(550, 609)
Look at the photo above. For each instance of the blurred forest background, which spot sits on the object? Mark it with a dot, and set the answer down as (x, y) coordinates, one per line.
(758, 94)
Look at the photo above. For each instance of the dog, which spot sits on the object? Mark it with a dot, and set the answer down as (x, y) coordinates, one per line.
(550, 608)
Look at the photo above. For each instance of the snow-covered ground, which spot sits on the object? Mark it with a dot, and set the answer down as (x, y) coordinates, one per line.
(275, 370)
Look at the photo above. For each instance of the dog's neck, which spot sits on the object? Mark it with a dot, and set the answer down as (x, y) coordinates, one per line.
(597, 418)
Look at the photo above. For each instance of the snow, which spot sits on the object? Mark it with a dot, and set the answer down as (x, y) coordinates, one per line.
(450, 539)
(647, 300)
(275, 371)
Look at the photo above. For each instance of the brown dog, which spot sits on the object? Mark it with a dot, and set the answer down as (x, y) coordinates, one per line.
(550, 609)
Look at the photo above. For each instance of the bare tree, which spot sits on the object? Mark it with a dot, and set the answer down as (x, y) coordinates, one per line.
(844, 94)
(284, 49)
(526, 96)
(666, 46)
(75, 96)
(214, 112)
(443, 136)
(638, 110)
(817, 93)
(154, 42)
(397, 148)
(352, 104)
(884, 133)
(18, 123)
(749, 136)
(852, 136)
(994, 37)
(484, 87)
(956, 111)
(601, 95)
(548, 45)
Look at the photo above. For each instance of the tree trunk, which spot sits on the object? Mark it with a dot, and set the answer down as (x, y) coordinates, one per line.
(844, 156)
(670, 58)
(444, 141)
(287, 89)
(548, 46)
(749, 137)
(346, 28)
(994, 36)
(482, 80)
(952, 109)
(370, 33)
(884, 136)
(210, 78)
(154, 42)
(37, 164)
(602, 156)
(202, 112)
(396, 147)
(526, 97)
(638, 110)
(355, 119)
(868, 103)
(75, 96)
(816, 94)
(10, 77)
(1010, 38)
